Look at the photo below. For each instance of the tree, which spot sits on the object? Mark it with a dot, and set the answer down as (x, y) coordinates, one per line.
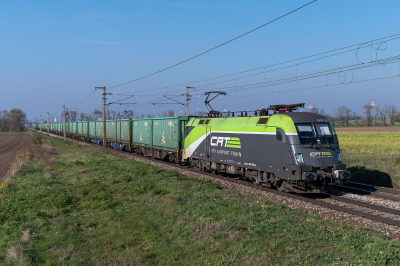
(168, 113)
(97, 114)
(392, 114)
(17, 120)
(368, 114)
(377, 115)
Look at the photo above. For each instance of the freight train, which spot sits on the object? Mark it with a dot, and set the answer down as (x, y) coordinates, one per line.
(291, 151)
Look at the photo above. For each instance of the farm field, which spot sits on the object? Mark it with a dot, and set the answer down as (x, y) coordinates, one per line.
(10, 146)
(81, 206)
(369, 129)
(373, 157)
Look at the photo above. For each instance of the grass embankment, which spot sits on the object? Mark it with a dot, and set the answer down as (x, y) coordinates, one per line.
(86, 207)
(373, 157)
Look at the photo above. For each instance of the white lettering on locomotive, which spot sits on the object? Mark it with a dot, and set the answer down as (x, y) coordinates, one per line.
(219, 141)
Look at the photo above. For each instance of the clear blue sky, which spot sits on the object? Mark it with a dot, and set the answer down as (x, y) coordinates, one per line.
(55, 52)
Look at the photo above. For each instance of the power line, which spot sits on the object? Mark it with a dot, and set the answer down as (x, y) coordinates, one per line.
(307, 88)
(216, 47)
(82, 100)
(349, 48)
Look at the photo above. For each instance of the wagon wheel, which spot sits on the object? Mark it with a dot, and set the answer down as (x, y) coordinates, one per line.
(171, 158)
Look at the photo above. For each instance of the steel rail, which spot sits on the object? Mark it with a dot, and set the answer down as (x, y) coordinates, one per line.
(383, 189)
(366, 192)
(261, 188)
(365, 204)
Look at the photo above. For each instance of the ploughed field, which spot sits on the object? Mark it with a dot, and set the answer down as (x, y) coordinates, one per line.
(10, 146)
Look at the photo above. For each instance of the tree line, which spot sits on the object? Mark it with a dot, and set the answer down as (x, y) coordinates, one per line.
(373, 115)
(13, 121)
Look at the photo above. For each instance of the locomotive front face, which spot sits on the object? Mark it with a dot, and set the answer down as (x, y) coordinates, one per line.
(317, 146)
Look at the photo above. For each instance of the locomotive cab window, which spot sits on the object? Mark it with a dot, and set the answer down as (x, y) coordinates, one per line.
(318, 133)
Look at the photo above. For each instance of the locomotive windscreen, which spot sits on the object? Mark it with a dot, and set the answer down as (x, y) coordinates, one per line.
(310, 132)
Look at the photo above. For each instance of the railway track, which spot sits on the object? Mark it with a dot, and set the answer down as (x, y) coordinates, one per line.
(366, 210)
(364, 189)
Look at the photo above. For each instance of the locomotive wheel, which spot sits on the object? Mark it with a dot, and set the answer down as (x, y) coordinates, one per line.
(214, 172)
(281, 186)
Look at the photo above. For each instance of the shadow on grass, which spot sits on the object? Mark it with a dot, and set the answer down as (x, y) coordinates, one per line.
(360, 174)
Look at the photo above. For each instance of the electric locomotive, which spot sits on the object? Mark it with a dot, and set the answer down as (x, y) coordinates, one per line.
(292, 151)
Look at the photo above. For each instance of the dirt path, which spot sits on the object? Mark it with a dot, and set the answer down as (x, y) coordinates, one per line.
(10, 146)
(369, 129)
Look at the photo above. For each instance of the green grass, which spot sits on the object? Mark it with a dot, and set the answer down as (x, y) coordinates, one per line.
(380, 143)
(85, 207)
(372, 157)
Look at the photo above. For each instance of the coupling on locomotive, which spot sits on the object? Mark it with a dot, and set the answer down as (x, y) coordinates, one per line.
(291, 151)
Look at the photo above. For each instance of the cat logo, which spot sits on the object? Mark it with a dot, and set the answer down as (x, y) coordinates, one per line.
(320, 154)
(226, 142)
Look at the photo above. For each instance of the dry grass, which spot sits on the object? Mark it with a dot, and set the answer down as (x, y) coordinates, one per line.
(16, 256)
(26, 236)
(207, 230)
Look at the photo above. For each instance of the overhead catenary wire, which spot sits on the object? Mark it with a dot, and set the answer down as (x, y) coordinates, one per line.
(216, 47)
(353, 47)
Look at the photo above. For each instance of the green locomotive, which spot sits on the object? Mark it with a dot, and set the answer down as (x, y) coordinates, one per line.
(292, 151)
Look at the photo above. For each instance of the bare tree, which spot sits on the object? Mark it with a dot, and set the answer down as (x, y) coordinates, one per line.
(392, 113)
(377, 115)
(17, 120)
(168, 113)
(368, 114)
(97, 114)
(340, 115)
(347, 115)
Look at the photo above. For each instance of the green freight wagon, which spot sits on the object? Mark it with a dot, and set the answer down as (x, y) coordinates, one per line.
(60, 127)
(111, 128)
(99, 129)
(82, 128)
(168, 133)
(160, 137)
(142, 135)
(123, 134)
(85, 129)
(34, 125)
(92, 129)
(71, 128)
(79, 128)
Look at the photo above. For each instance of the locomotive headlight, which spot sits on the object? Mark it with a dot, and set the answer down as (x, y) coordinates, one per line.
(339, 157)
(299, 158)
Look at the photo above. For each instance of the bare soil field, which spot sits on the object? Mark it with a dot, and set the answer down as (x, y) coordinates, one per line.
(10, 146)
(369, 129)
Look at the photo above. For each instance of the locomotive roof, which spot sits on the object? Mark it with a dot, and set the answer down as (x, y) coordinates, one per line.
(306, 117)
